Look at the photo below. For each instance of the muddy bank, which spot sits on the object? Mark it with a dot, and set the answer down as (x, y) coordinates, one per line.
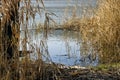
(89, 74)
(85, 73)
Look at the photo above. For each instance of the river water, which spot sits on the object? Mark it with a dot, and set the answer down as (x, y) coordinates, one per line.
(60, 46)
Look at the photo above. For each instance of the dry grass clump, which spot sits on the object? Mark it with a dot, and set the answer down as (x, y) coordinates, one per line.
(72, 24)
(11, 68)
(101, 31)
(28, 70)
(110, 31)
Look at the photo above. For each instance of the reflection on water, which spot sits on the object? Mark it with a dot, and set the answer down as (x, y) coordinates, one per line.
(60, 47)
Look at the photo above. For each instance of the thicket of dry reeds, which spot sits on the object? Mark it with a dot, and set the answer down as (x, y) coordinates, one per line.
(108, 31)
(11, 67)
(101, 31)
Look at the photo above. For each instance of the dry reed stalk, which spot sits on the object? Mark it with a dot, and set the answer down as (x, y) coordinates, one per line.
(24, 69)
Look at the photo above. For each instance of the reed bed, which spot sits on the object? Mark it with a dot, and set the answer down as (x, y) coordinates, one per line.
(101, 31)
(12, 67)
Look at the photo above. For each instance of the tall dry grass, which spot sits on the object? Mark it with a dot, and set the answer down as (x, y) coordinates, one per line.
(105, 31)
(109, 30)
(11, 67)
(100, 31)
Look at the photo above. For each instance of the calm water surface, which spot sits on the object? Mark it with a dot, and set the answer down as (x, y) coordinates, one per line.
(60, 46)
(64, 9)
